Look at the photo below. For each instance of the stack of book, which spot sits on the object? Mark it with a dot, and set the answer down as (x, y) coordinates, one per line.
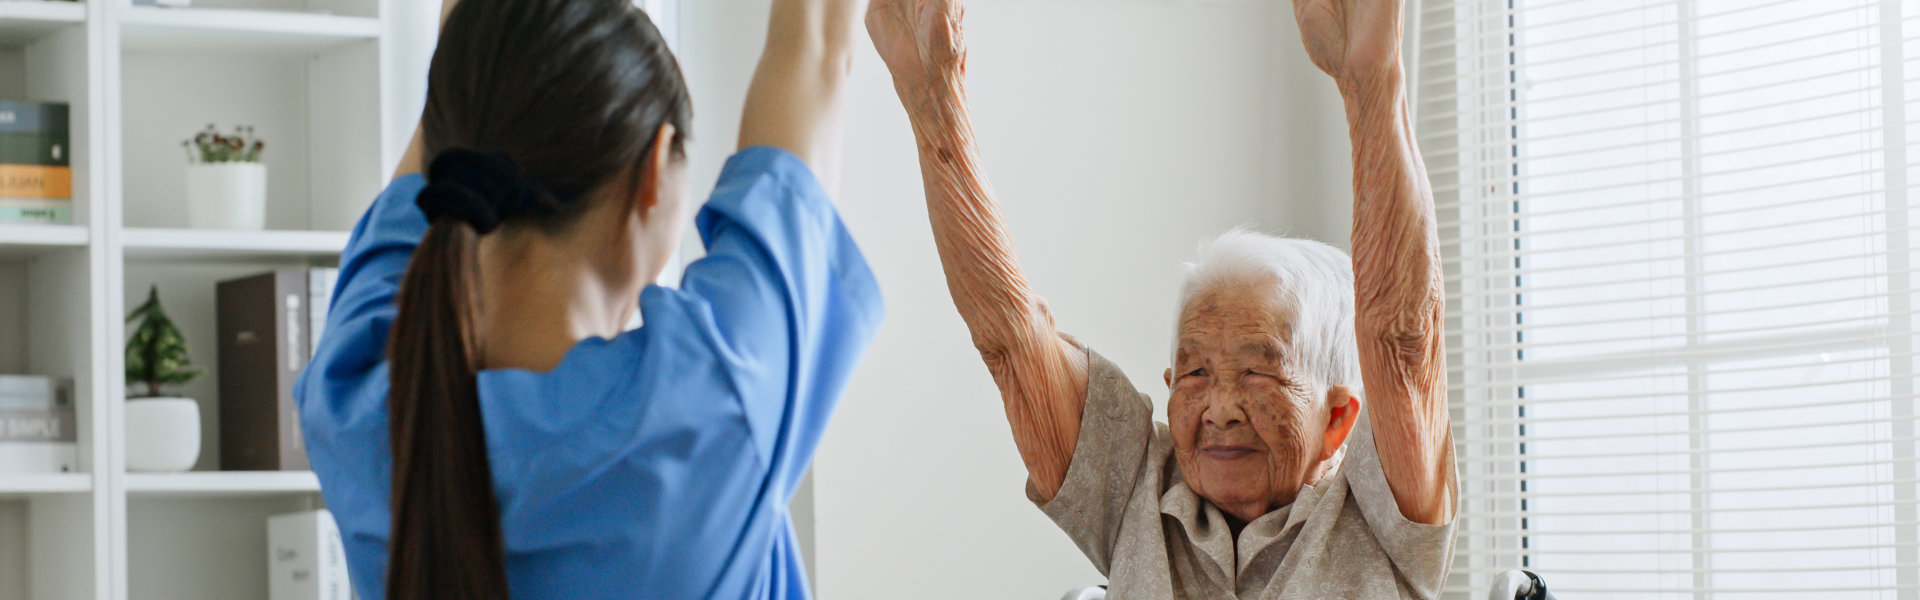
(38, 432)
(36, 168)
(269, 326)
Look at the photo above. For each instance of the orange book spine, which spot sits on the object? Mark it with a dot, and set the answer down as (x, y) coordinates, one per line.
(36, 181)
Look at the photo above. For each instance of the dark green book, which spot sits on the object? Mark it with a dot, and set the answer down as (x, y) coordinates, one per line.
(35, 134)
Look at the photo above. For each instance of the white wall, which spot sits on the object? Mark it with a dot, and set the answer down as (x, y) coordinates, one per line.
(1314, 179)
(414, 27)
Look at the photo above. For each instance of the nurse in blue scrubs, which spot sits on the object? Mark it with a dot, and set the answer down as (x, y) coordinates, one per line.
(483, 426)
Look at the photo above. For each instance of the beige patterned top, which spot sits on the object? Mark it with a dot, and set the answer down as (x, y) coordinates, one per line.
(1129, 509)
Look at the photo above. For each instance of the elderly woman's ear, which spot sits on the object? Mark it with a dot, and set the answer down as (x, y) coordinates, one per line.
(1343, 413)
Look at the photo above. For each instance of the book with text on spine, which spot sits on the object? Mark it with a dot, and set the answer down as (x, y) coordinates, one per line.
(305, 558)
(36, 182)
(262, 324)
(320, 282)
(35, 133)
(39, 457)
(39, 441)
(35, 392)
(35, 210)
(38, 426)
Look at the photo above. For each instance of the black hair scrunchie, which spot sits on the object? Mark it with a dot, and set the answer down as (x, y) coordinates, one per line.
(479, 187)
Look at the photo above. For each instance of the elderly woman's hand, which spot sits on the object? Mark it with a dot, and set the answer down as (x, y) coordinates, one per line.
(921, 42)
(1351, 40)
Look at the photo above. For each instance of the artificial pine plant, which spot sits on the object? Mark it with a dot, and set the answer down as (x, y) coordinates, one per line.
(156, 352)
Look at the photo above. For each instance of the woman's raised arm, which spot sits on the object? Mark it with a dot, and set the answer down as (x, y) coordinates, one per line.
(796, 97)
(1042, 376)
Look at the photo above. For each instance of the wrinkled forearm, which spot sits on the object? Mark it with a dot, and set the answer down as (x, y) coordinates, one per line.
(1041, 376)
(1399, 298)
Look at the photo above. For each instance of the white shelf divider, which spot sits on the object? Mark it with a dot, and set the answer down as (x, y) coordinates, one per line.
(213, 29)
(222, 483)
(21, 484)
(201, 244)
(23, 21)
(43, 10)
(32, 236)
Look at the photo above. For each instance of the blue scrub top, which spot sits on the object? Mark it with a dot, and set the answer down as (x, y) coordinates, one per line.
(657, 464)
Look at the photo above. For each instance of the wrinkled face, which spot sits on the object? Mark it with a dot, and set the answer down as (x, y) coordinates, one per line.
(1247, 427)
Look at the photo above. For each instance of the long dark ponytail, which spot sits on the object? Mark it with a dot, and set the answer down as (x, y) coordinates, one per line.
(533, 107)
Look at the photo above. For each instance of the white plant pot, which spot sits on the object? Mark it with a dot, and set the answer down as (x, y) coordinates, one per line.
(163, 434)
(230, 195)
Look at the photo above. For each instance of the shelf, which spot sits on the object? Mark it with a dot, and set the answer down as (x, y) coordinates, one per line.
(19, 240)
(23, 21)
(223, 483)
(201, 244)
(22, 484)
(209, 29)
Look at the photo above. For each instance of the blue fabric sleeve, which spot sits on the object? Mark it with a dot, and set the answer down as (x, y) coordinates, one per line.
(342, 394)
(794, 301)
(371, 268)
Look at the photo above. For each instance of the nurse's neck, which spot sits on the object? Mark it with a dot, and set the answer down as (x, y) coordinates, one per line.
(539, 295)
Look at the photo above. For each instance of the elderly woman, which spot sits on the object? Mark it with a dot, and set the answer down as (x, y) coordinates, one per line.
(1266, 481)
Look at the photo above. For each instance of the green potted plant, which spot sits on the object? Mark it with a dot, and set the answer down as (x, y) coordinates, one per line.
(163, 432)
(226, 182)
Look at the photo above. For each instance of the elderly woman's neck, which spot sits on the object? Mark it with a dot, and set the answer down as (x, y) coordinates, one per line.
(1238, 515)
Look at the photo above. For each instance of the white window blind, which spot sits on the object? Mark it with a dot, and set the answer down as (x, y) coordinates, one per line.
(1680, 275)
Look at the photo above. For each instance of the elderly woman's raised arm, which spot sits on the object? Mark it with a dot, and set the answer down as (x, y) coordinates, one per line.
(1399, 296)
(1042, 377)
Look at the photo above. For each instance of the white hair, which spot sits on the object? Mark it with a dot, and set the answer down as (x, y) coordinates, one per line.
(1311, 280)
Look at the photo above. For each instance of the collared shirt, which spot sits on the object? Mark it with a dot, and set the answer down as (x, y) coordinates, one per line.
(657, 464)
(1127, 506)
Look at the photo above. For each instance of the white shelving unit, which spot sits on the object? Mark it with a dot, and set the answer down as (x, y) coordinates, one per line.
(310, 76)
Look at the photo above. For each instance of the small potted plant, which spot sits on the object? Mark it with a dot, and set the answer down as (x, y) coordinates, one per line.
(226, 182)
(163, 433)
